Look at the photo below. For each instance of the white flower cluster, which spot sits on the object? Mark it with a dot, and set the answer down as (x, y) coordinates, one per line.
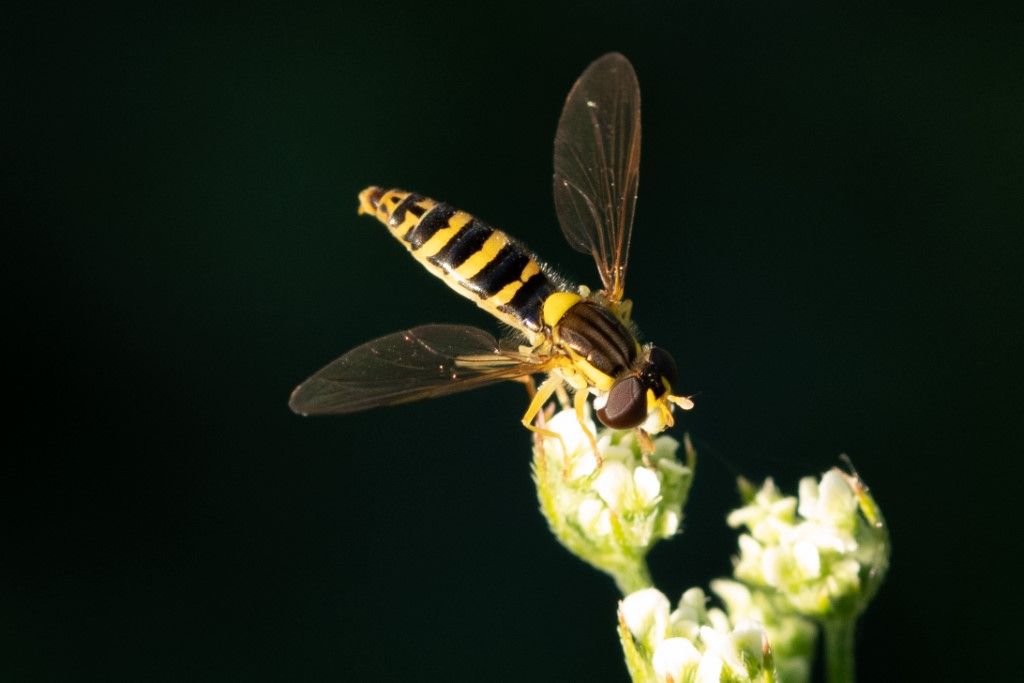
(814, 554)
(609, 515)
(792, 637)
(690, 643)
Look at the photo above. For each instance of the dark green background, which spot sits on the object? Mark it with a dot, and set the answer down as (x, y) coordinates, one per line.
(828, 240)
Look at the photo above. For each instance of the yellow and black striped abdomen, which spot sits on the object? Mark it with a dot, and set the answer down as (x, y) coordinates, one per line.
(476, 260)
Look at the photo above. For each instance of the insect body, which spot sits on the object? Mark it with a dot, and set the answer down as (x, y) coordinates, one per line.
(581, 338)
(475, 259)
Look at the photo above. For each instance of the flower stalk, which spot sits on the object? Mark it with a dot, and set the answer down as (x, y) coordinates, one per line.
(839, 650)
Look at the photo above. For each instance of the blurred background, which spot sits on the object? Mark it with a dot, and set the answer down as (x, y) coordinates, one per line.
(828, 241)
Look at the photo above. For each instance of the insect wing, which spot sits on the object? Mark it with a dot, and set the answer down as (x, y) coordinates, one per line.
(424, 362)
(597, 166)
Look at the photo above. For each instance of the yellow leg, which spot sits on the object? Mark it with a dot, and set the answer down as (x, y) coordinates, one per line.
(531, 391)
(646, 445)
(531, 386)
(580, 403)
(666, 415)
(540, 397)
(563, 397)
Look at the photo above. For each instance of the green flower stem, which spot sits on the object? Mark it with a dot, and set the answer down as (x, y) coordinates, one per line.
(839, 649)
(632, 577)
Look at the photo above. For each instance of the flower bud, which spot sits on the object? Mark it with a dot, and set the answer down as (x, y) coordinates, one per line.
(691, 643)
(816, 555)
(610, 515)
(792, 637)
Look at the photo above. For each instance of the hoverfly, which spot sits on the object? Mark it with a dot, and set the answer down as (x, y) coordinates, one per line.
(581, 338)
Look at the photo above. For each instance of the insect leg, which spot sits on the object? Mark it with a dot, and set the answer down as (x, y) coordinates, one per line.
(531, 386)
(540, 397)
(563, 396)
(666, 414)
(542, 415)
(646, 445)
(580, 403)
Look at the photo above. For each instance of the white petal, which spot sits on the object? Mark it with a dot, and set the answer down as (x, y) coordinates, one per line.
(690, 612)
(749, 545)
(749, 638)
(588, 512)
(675, 657)
(718, 620)
(710, 669)
(644, 610)
(648, 487)
(823, 535)
(613, 483)
(808, 497)
(767, 493)
(695, 598)
(669, 523)
(734, 594)
(584, 463)
(807, 559)
(772, 567)
(722, 645)
(837, 503)
(743, 515)
(783, 508)
(568, 427)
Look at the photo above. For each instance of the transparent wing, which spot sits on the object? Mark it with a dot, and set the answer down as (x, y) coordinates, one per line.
(426, 361)
(597, 166)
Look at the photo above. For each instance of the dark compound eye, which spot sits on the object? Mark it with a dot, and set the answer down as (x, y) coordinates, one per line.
(626, 406)
(664, 364)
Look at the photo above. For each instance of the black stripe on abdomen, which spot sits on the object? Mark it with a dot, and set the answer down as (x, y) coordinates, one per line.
(407, 205)
(435, 219)
(505, 268)
(528, 302)
(463, 245)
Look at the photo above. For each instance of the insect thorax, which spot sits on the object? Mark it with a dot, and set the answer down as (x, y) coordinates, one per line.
(594, 334)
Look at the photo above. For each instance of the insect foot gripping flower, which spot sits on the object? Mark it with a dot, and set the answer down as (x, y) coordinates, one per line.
(822, 556)
(692, 643)
(610, 515)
